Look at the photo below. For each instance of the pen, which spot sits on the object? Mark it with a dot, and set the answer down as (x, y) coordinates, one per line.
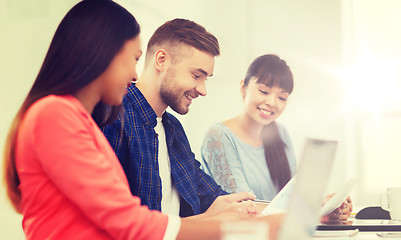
(261, 201)
(389, 235)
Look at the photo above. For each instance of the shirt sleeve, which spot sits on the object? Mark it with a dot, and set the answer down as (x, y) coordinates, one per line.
(208, 188)
(70, 156)
(116, 138)
(197, 188)
(222, 162)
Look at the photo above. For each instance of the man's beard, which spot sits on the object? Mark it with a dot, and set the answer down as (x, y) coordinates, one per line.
(171, 95)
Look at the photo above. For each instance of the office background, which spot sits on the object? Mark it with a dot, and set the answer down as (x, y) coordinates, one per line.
(345, 56)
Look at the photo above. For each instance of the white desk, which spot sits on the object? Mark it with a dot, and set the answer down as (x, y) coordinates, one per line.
(359, 236)
(374, 227)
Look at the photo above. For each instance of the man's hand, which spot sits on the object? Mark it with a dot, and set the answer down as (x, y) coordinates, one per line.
(234, 206)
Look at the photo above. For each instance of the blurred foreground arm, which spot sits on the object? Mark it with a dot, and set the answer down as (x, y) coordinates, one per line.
(195, 229)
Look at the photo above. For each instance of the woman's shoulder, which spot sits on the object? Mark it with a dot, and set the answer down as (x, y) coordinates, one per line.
(53, 102)
(219, 128)
(55, 106)
(217, 131)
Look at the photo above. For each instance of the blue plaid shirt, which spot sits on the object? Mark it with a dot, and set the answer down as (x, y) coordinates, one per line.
(137, 150)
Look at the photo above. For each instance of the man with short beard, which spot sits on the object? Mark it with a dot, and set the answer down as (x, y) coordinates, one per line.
(151, 143)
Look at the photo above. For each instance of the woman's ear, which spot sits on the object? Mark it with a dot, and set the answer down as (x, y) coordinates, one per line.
(242, 88)
(161, 59)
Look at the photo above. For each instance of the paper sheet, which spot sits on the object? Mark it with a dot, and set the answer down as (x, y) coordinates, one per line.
(338, 198)
(280, 203)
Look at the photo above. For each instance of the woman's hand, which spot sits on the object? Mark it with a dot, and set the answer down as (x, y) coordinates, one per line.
(339, 214)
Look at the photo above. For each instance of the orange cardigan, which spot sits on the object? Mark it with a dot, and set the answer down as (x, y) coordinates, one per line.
(72, 184)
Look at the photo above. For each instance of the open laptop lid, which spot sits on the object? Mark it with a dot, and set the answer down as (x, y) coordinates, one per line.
(310, 185)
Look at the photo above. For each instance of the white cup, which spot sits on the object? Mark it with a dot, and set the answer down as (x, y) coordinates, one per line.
(391, 201)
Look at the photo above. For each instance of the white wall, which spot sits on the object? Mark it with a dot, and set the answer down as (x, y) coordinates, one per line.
(26, 29)
(372, 82)
(318, 38)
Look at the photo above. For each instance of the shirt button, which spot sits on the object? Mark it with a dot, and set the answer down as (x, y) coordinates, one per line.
(157, 135)
(147, 123)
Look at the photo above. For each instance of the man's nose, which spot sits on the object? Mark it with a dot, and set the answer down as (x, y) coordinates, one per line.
(201, 89)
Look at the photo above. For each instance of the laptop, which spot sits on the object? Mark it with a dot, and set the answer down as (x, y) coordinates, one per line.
(305, 193)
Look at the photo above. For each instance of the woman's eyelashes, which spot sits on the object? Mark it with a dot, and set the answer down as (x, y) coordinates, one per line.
(263, 92)
(266, 92)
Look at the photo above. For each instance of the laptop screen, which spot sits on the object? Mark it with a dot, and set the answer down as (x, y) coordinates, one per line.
(308, 191)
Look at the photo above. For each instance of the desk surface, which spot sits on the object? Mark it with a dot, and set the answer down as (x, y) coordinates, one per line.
(359, 236)
(371, 225)
(368, 229)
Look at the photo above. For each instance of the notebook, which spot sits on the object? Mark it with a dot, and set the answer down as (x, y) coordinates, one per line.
(308, 190)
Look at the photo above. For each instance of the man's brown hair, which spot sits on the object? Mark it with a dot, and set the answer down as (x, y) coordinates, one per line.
(175, 34)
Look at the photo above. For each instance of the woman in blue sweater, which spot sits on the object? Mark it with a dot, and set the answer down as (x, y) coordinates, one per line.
(252, 152)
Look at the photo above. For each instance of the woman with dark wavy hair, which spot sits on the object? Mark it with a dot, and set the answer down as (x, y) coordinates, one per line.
(60, 172)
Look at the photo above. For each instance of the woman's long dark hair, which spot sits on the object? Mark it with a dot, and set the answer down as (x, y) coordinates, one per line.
(272, 71)
(84, 44)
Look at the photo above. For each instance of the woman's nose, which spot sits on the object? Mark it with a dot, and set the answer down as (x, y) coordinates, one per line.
(270, 100)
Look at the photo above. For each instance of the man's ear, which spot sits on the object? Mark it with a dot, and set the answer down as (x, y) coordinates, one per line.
(161, 56)
(242, 88)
